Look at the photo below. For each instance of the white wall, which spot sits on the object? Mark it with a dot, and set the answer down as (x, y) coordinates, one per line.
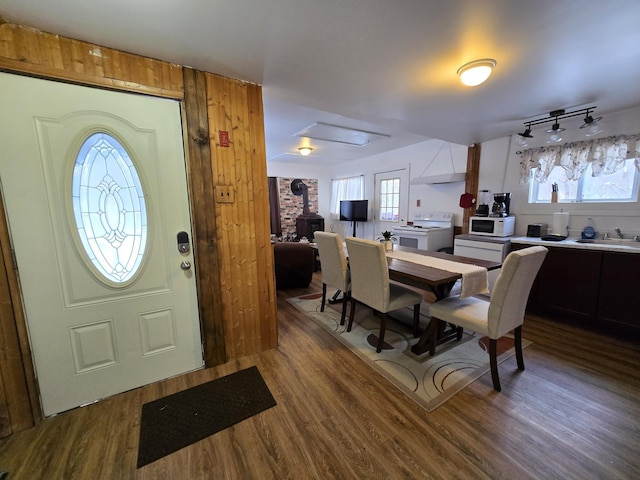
(432, 157)
(499, 172)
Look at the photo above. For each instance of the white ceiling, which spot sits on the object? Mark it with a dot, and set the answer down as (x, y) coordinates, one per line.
(378, 65)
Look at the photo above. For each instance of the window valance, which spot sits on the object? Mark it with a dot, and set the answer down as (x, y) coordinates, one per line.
(605, 155)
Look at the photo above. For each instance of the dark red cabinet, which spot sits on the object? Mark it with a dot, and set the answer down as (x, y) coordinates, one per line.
(597, 287)
(619, 300)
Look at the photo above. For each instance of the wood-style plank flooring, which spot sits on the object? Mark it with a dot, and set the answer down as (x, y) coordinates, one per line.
(574, 413)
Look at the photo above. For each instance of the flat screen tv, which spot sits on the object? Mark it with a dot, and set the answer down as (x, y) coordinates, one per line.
(354, 210)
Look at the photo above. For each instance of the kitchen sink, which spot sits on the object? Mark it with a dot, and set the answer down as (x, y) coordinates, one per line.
(627, 242)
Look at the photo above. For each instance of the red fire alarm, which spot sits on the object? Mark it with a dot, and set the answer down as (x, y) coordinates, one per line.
(224, 138)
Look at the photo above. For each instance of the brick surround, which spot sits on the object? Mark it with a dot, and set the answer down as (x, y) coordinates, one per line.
(291, 205)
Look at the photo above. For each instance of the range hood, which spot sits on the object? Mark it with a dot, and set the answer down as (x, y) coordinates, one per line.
(452, 177)
(435, 179)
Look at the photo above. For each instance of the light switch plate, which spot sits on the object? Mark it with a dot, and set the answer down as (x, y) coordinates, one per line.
(225, 194)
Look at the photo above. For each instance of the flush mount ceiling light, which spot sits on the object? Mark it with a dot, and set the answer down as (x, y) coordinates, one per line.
(590, 123)
(305, 151)
(476, 72)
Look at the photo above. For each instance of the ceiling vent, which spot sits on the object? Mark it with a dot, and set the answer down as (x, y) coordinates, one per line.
(337, 134)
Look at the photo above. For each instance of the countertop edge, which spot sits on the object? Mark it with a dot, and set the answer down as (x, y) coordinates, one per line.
(572, 243)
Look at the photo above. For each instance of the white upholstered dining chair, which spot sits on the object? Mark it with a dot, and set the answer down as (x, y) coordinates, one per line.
(501, 314)
(334, 266)
(370, 285)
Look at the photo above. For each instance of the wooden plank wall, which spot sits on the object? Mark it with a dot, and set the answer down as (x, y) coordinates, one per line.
(471, 186)
(233, 259)
(247, 281)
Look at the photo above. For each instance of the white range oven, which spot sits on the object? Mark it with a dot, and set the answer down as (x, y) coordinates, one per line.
(430, 231)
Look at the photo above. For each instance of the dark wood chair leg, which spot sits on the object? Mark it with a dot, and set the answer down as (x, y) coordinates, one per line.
(324, 296)
(434, 328)
(383, 329)
(352, 313)
(518, 344)
(416, 320)
(493, 360)
(345, 300)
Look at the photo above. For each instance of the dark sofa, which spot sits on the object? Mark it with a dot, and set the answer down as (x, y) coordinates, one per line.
(294, 264)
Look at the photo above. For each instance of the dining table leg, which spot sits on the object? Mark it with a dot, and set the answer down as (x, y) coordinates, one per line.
(444, 332)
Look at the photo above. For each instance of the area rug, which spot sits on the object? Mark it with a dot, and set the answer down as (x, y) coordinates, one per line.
(178, 420)
(429, 381)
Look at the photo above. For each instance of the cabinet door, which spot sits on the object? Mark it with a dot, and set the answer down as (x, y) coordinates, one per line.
(620, 289)
(567, 284)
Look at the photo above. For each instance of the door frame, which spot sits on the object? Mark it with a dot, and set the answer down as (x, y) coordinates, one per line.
(404, 172)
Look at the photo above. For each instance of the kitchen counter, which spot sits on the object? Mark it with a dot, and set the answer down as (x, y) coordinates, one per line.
(612, 245)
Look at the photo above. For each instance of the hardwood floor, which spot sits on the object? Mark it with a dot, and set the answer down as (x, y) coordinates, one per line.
(574, 413)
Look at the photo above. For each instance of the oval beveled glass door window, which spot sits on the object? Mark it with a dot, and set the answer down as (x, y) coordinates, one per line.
(109, 208)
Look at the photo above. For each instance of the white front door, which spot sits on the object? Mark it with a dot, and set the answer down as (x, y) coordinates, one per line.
(391, 200)
(95, 190)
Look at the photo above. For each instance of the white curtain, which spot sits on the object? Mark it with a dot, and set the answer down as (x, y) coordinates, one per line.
(350, 188)
(606, 156)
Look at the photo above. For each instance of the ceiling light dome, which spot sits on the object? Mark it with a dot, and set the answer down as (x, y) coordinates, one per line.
(476, 72)
(305, 151)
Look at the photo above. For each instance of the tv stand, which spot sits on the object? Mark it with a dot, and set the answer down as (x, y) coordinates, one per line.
(354, 228)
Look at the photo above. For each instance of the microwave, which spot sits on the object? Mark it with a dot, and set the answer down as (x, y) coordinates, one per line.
(492, 226)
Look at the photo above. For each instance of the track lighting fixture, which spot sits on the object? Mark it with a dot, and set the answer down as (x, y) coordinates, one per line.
(591, 124)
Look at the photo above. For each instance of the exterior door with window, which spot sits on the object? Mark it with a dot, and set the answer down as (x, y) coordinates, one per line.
(95, 189)
(391, 200)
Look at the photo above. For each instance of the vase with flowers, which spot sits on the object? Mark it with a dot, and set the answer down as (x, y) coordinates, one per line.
(388, 239)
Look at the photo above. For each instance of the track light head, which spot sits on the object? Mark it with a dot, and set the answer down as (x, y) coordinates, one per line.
(526, 133)
(556, 128)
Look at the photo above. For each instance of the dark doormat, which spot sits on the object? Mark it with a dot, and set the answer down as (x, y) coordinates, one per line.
(178, 420)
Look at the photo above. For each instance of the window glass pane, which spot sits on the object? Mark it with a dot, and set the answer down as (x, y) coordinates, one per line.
(620, 186)
(390, 200)
(541, 192)
(109, 208)
(616, 186)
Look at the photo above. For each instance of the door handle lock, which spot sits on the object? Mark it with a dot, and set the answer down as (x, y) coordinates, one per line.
(183, 242)
(185, 265)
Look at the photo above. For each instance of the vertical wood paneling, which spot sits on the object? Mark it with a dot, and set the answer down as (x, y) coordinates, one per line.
(246, 261)
(234, 262)
(266, 281)
(20, 401)
(471, 186)
(201, 190)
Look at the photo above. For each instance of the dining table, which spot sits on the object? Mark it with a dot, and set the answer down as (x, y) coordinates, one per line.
(419, 274)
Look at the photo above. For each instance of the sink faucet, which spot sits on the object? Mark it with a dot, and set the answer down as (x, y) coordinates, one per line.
(619, 233)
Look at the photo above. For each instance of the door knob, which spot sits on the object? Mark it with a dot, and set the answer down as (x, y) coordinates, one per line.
(185, 265)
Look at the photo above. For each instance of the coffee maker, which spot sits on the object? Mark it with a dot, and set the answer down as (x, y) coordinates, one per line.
(484, 199)
(500, 207)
